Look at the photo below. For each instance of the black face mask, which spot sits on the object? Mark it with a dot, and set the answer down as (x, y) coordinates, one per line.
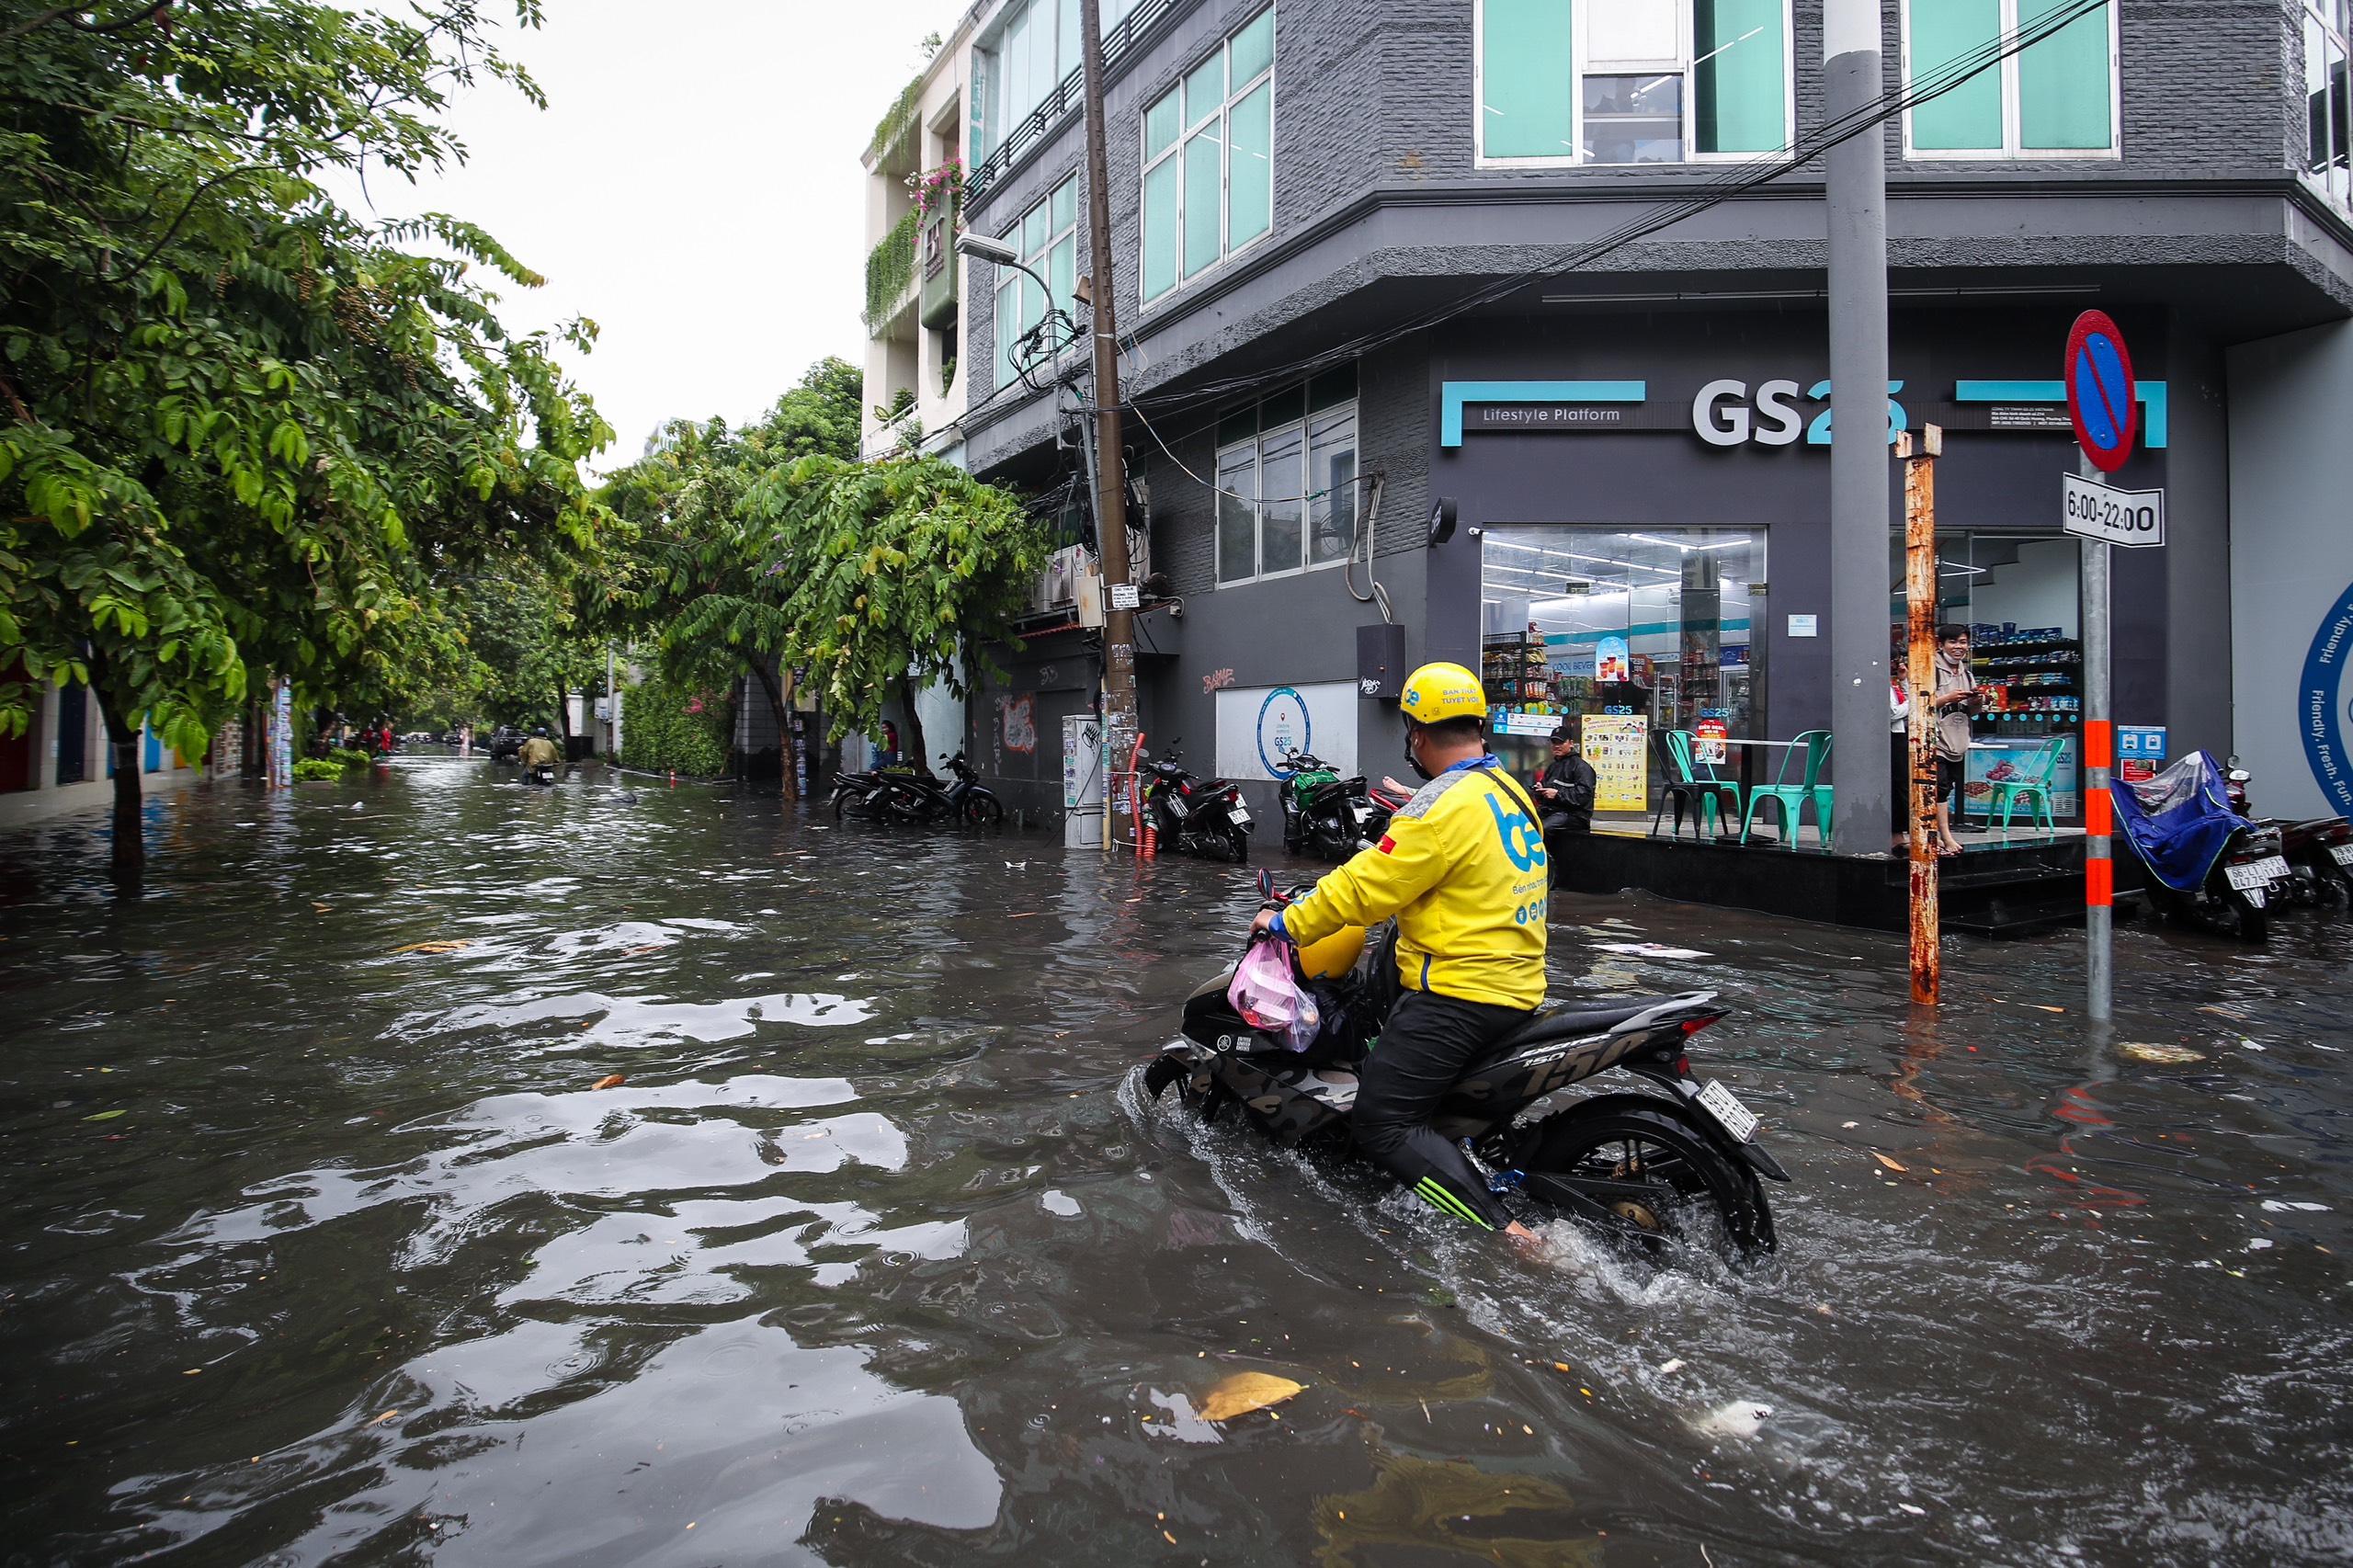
(1424, 774)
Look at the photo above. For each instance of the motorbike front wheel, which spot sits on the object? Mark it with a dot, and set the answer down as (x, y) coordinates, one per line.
(1239, 842)
(1659, 1177)
(984, 809)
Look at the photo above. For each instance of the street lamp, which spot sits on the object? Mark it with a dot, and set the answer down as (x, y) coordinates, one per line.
(980, 247)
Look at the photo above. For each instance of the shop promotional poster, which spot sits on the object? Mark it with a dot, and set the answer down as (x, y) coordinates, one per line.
(1618, 746)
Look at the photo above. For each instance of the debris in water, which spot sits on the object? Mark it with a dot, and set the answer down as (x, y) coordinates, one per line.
(1883, 1160)
(434, 946)
(611, 1081)
(1649, 950)
(1245, 1392)
(1740, 1418)
(2284, 1205)
(2170, 1055)
(1675, 1365)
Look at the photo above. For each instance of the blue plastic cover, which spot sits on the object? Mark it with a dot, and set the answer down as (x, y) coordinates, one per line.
(2178, 821)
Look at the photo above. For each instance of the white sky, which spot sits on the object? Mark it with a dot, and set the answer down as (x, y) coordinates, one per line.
(693, 188)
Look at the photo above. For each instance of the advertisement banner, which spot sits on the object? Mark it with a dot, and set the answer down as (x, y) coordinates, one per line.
(1611, 662)
(1617, 745)
(281, 737)
(1258, 725)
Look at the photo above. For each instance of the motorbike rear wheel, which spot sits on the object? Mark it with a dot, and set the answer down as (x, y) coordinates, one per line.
(983, 809)
(1642, 1160)
(1240, 842)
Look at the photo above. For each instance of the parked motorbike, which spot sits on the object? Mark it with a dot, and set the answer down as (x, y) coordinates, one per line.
(1324, 814)
(1645, 1167)
(2206, 864)
(903, 795)
(1193, 815)
(2319, 850)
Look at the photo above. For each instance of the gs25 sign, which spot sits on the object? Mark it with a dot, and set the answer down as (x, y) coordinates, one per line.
(1725, 415)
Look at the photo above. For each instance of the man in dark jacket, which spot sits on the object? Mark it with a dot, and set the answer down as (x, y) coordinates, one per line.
(1565, 792)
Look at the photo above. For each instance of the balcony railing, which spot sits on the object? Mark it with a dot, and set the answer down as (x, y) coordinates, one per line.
(1068, 93)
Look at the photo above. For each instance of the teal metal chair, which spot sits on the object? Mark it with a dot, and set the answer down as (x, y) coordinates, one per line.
(1793, 799)
(1697, 784)
(2030, 789)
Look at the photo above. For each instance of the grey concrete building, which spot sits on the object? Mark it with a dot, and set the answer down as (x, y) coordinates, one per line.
(1345, 236)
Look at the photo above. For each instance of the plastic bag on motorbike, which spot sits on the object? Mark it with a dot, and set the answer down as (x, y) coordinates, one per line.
(1268, 994)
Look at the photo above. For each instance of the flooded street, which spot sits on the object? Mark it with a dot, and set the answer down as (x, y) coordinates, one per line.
(321, 1247)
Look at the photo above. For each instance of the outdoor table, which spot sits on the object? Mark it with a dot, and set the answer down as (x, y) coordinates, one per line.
(1751, 756)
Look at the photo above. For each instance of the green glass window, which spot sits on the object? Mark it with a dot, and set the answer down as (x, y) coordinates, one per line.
(2064, 83)
(1160, 212)
(2057, 95)
(1969, 117)
(1205, 89)
(1741, 74)
(1161, 123)
(1204, 180)
(1527, 79)
(1048, 238)
(1254, 49)
(1250, 176)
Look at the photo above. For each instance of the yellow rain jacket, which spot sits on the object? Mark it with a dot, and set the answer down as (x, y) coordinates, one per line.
(1462, 869)
(538, 752)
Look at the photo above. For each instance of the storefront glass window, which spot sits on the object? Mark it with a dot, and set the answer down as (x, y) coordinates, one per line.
(2018, 594)
(2056, 97)
(1651, 623)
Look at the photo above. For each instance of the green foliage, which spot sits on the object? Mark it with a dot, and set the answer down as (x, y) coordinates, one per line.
(887, 575)
(666, 725)
(317, 771)
(897, 121)
(890, 270)
(346, 757)
(242, 430)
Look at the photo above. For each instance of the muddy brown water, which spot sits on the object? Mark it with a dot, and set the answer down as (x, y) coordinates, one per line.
(323, 1251)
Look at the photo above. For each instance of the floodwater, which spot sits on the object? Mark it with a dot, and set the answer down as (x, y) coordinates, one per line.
(321, 1247)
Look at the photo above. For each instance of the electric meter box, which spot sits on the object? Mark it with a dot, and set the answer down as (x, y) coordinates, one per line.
(1381, 661)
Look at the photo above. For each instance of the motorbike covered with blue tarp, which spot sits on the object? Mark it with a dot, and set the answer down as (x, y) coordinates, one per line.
(2206, 863)
(2179, 821)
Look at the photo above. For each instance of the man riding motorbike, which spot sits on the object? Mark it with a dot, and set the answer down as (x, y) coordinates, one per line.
(539, 751)
(1463, 870)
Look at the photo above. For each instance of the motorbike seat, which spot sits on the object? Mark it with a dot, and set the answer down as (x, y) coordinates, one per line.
(1574, 1019)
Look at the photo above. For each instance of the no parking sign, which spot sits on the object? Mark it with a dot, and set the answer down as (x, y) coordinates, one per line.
(2100, 392)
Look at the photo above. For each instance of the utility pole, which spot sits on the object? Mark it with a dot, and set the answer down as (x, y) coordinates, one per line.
(1854, 203)
(1920, 604)
(1120, 721)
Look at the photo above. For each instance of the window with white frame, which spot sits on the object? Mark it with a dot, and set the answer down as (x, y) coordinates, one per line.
(1632, 81)
(1287, 480)
(1208, 159)
(2055, 99)
(2326, 29)
(1046, 237)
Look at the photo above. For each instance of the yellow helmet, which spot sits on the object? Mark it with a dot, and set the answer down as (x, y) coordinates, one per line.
(1333, 956)
(1439, 692)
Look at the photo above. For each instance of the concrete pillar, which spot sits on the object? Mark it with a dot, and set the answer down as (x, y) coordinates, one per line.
(1856, 174)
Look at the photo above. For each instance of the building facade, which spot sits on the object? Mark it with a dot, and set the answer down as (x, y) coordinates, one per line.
(1375, 258)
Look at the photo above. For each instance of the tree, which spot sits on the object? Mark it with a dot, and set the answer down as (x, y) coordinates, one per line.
(890, 575)
(248, 432)
(695, 574)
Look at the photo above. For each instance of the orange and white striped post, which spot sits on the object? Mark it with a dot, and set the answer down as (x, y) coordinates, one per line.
(2100, 820)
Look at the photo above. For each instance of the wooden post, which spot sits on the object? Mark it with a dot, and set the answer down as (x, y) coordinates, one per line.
(1920, 675)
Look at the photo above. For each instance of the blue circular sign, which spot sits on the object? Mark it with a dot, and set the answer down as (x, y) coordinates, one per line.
(2100, 392)
(2322, 706)
(1277, 725)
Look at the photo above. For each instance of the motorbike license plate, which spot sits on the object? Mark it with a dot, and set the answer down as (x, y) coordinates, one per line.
(1731, 1115)
(1239, 816)
(2253, 874)
(2344, 853)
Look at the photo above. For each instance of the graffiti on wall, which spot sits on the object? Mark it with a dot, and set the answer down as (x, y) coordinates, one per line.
(1017, 724)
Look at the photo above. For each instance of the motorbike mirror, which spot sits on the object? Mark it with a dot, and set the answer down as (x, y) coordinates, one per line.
(1265, 883)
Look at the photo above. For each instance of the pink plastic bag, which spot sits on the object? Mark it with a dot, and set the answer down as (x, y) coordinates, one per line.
(1268, 994)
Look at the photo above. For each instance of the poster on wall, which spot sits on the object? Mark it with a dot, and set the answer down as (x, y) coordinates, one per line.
(1258, 726)
(281, 737)
(1610, 661)
(1617, 745)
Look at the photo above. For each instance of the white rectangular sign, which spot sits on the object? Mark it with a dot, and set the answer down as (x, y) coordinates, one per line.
(2114, 516)
(1255, 725)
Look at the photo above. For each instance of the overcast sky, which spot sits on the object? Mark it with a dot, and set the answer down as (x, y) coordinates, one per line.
(693, 186)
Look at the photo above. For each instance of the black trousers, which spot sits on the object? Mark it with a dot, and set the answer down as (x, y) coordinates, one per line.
(1559, 835)
(1423, 1049)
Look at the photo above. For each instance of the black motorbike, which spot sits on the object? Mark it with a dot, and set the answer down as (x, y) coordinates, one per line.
(1645, 1167)
(1193, 815)
(901, 795)
(2319, 850)
(1324, 814)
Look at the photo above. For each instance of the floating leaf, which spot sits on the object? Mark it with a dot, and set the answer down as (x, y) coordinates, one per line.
(609, 1081)
(1883, 1160)
(103, 1116)
(1245, 1392)
(433, 947)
